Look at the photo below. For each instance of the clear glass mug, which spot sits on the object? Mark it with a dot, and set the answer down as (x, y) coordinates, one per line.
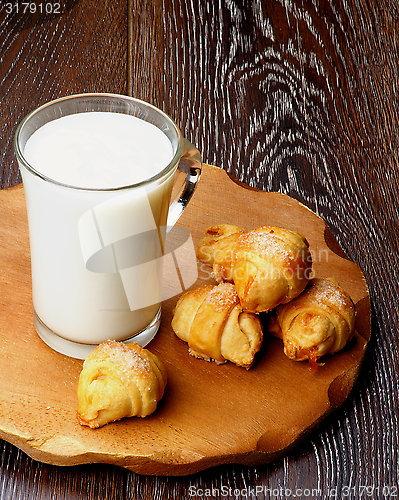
(96, 252)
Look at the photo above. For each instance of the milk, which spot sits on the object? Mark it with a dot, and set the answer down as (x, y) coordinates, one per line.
(98, 150)
(82, 237)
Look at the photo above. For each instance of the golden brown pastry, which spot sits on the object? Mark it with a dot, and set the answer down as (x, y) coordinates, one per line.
(268, 266)
(213, 323)
(217, 249)
(320, 321)
(119, 380)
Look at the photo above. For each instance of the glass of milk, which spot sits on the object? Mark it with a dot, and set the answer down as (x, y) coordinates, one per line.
(98, 172)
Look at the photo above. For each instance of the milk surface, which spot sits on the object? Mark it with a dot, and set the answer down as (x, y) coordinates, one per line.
(98, 150)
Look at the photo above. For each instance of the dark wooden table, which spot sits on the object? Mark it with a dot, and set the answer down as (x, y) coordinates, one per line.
(294, 96)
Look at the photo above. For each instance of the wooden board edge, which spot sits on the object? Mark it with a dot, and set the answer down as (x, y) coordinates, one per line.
(173, 464)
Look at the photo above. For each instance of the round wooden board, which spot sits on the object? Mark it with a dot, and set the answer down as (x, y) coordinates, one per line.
(210, 414)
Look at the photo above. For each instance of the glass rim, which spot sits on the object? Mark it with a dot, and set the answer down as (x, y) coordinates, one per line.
(163, 173)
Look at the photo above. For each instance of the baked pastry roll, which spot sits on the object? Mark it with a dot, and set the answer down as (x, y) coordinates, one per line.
(320, 321)
(213, 323)
(119, 380)
(268, 266)
(217, 249)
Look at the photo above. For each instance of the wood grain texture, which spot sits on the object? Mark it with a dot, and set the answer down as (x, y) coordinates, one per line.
(295, 96)
(300, 97)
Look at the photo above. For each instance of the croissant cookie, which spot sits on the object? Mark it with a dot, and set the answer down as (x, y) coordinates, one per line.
(320, 321)
(213, 323)
(268, 266)
(119, 380)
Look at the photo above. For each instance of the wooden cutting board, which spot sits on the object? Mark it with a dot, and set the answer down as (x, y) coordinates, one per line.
(210, 414)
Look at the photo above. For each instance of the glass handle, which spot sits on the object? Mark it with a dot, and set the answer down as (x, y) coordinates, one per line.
(191, 165)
